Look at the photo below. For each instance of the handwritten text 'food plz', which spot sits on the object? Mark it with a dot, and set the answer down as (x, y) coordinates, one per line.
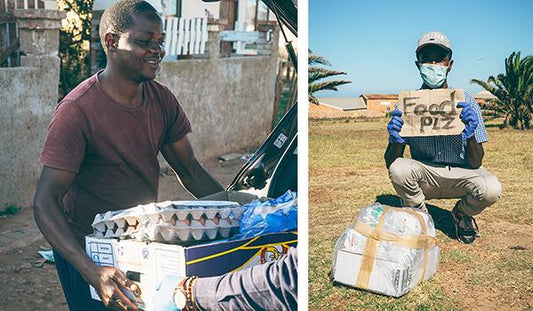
(440, 116)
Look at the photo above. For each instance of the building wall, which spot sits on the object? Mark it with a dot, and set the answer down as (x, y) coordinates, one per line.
(27, 104)
(380, 105)
(27, 98)
(198, 8)
(103, 4)
(189, 8)
(229, 101)
(481, 101)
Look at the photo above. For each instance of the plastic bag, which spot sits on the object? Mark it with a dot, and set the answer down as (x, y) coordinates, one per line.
(273, 215)
(404, 251)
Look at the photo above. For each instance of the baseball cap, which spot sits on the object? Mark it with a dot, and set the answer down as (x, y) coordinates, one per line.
(434, 37)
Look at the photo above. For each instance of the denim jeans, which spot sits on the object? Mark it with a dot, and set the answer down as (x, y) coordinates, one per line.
(75, 288)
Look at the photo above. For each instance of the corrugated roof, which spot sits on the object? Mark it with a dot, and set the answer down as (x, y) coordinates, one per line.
(380, 96)
(343, 103)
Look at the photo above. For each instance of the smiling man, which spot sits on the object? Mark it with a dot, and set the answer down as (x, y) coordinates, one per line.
(443, 167)
(101, 151)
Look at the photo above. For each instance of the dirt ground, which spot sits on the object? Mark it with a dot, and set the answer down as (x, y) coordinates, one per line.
(26, 287)
(494, 273)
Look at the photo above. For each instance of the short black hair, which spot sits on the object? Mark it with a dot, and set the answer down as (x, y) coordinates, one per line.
(119, 16)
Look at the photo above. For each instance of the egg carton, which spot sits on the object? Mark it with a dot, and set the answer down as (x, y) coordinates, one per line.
(171, 221)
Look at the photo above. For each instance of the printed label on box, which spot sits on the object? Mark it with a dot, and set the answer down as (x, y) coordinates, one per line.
(102, 253)
(169, 262)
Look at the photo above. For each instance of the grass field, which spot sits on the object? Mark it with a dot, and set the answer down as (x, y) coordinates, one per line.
(347, 172)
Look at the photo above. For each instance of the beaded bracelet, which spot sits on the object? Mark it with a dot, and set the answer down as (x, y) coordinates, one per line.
(193, 282)
(188, 284)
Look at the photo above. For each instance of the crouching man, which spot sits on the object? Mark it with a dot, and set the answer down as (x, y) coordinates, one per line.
(443, 167)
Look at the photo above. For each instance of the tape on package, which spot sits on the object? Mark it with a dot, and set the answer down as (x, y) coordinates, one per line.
(375, 235)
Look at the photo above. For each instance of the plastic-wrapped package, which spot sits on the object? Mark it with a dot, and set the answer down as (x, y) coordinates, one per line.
(387, 250)
(270, 216)
(171, 221)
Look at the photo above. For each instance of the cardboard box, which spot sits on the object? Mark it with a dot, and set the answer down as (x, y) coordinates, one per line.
(390, 276)
(147, 263)
(431, 112)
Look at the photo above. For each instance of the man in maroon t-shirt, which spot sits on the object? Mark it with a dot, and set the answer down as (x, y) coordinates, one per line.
(101, 151)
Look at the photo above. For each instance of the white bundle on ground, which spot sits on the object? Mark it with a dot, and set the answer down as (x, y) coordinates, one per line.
(387, 250)
(171, 221)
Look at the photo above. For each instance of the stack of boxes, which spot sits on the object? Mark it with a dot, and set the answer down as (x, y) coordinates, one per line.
(181, 238)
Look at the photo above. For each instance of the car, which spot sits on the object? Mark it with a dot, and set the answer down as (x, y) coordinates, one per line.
(272, 170)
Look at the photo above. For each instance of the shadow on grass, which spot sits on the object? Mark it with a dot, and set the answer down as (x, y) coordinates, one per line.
(499, 125)
(441, 217)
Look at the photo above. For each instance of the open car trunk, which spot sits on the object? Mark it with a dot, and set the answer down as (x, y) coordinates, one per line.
(272, 170)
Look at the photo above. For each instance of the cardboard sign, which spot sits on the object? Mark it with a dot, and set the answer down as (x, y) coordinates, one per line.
(431, 112)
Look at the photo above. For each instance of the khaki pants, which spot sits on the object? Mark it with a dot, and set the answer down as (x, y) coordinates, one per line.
(416, 182)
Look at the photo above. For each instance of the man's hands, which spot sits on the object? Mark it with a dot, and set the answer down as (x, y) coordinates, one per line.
(395, 126)
(108, 282)
(49, 216)
(163, 299)
(469, 118)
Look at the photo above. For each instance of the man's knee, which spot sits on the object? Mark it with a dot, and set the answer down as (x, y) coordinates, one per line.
(488, 190)
(402, 171)
(493, 189)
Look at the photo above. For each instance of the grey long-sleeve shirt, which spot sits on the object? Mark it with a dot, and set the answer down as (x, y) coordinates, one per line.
(271, 286)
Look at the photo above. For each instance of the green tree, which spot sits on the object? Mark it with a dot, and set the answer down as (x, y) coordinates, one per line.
(74, 43)
(513, 91)
(318, 74)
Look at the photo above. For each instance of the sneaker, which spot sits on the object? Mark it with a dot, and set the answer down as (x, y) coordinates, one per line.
(466, 229)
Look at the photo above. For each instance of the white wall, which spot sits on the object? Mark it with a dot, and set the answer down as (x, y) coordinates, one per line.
(100, 5)
(193, 8)
(246, 13)
(196, 8)
(190, 8)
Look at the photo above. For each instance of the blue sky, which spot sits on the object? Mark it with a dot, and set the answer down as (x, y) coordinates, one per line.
(374, 41)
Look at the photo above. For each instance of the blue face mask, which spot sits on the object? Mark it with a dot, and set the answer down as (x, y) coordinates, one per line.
(433, 75)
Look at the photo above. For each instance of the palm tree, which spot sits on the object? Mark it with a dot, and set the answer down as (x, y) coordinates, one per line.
(513, 91)
(318, 73)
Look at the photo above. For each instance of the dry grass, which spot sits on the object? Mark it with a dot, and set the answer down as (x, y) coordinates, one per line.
(347, 172)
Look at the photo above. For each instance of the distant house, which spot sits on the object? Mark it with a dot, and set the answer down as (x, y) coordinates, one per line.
(483, 96)
(379, 102)
(385, 102)
(343, 103)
